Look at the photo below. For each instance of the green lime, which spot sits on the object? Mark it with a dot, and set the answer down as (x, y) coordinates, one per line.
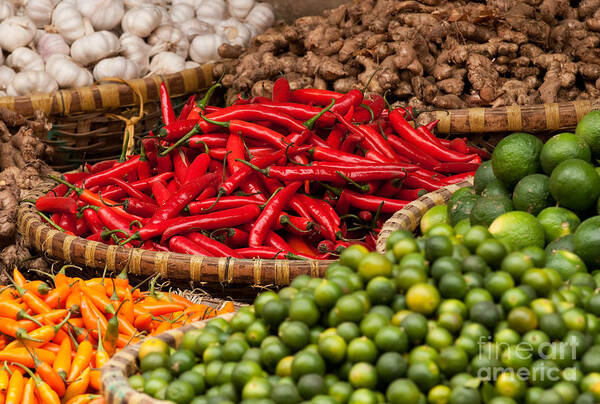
(285, 394)
(516, 263)
(506, 337)
(553, 325)
(461, 207)
(137, 382)
(275, 311)
(452, 360)
(257, 387)
(441, 229)
(396, 236)
(362, 349)
(496, 189)
(422, 298)
(515, 157)
(517, 357)
(348, 331)
(450, 321)
(153, 345)
(306, 362)
(256, 332)
(538, 341)
(497, 283)
(477, 295)
(476, 264)
(487, 209)
(263, 298)
(311, 385)
(588, 129)
(415, 326)
(575, 184)
(404, 247)
(234, 350)
(587, 241)
(565, 263)
(372, 323)
(510, 384)
(464, 395)
(461, 228)
(518, 230)
(381, 290)
(304, 310)
(438, 338)
(153, 360)
(561, 147)
(273, 353)
(537, 255)
(485, 313)
(374, 264)
(440, 394)
(438, 246)
(180, 392)
(532, 194)
(352, 255)
(436, 215)
(363, 375)
(414, 260)
(327, 293)
(340, 391)
(575, 319)
(483, 176)
(454, 306)
(409, 276)
(391, 339)
(425, 374)
(567, 391)
(453, 286)
(363, 396)
(294, 334)
(391, 366)
(195, 379)
(350, 308)
(514, 297)
(522, 319)
(475, 236)
(558, 222)
(240, 321)
(332, 348)
(153, 386)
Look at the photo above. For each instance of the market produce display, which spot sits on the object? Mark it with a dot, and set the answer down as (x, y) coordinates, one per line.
(448, 55)
(65, 44)
(55, 339)
(445, 318)
(295, 176)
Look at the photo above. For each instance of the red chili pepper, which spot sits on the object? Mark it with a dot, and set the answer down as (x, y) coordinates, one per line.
(118, 171)
(302, 112)
(371, 109)
(81, 226)
(219, 154)
(93, 221)
(207, 140)
(208, 192)
(281, 90)
(187, 108)
(426, 133)
(140, 208)
(325, 154)
(180, 165)
(269, 253)
(110, 219)
(215, 204)
(419, 180)
(378, 157)
(98, 167)
(144, 170)
(409, 194)
(131, 191)
(168, 115)
(334, 140)
(235, 151)
(164, 164)
(56, 205)
(254, 131)
(315, 96)
(231, 236)
(413, 154)
(160, 192)
(68, 222)
(149, 145)
(458, 178)
(274, 240)
(294, 224)
(456, 168)
(184, 245)
(410, 134)
(317, 141)
(352, 98)
(270, 213)
(181, 198)
(322, 216)
(214, 247)
(349, 144)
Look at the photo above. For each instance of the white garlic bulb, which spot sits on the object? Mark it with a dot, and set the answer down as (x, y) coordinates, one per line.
(67, 73)
(191, 65)
(240, 8)
(211, 11)
(69, 22)
(116, 67)
(6, 9)
(103, 14)
(31, 82)
(171, 39)
(16, 32)
(204, 48)
(235, 32)
(141, 21)
(193, 27)
(51, 44)
(181, 12)
(188, 2)
(94, 47)
(6, 76)
(261, 16)
(24, 59)
(166, 63)
(40, 11)
(165, 17)
(134, 48)
(133, 3)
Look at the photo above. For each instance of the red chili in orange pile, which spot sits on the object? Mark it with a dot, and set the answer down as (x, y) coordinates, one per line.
(295, 176)
(54, 340)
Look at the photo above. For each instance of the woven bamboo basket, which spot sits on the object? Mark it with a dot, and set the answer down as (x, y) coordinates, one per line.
(114, 385)
(409, 217)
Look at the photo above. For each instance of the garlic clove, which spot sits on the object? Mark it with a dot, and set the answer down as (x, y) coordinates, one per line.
(235, 32)
(204, 48)
(6, 76)
(181, 12)
(211, 10)
(166, 63)
(170, 39)
(141, 21)
(31, 83)
(40, 11)
(194, 26)
(16, 32)
(261, 16)
(103, 14)
(25, 59)
(94, 47)
(52, 44)
(240, 8)
(116, 67)
(7, 9)
(67, 72)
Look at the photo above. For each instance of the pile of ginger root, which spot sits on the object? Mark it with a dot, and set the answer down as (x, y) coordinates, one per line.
(430, 54)
(22, 169)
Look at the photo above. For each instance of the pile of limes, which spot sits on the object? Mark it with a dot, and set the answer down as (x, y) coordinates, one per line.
(534, 194)
(451, 317)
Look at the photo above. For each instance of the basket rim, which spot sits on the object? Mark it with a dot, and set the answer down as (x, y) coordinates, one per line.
(113, 380)
(111, 93)
(408, 218)
(171, 265)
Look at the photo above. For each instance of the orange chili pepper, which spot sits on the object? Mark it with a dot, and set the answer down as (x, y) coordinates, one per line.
(2, 397)
(164, 326)
(76, 322)
(100, 358)
(38, 288)
(3, 379)
(41, 335)
(50, 377)
(226, 308)
(91, 315)
(52, 316)
(99, 400)
(52, 347)
(125, 340)
(78, 386)
(29, 393)
(45, 394)
(13, 328)
(62, 363)
(22, 356)
(15, 311)
(57, 296)
(14, 393)
(35, 303)
(143, 322)
(83, 399)
(61, 279)
(99, 299)
(160, 308)
(19, 278)
(73, 301)
(81, 361)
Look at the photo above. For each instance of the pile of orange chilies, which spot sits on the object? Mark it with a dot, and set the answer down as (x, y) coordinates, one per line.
(53, 341)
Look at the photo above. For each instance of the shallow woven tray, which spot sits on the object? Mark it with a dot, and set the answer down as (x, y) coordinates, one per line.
(113, 382)
(409, 217)
(174, 266)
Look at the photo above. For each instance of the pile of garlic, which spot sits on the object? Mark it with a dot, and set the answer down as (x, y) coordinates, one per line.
(50, 44)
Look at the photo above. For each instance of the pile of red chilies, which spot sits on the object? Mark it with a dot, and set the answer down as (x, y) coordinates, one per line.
(301, 176)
